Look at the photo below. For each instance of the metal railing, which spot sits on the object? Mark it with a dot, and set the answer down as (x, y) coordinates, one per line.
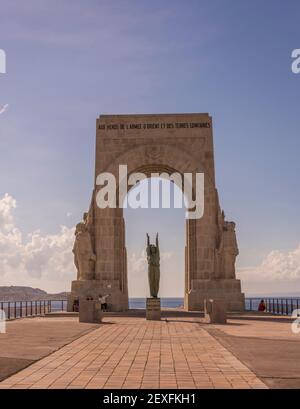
(280, 306)
(21, 309)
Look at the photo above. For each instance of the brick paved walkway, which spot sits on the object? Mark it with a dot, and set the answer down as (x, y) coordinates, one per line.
(135, 353)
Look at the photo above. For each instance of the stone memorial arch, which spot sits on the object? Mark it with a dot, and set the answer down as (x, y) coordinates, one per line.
(150, 144)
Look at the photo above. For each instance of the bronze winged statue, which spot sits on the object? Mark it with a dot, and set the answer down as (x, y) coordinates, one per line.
(153, 266)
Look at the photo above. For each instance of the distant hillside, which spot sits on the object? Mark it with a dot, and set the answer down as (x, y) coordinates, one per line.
(16, 293)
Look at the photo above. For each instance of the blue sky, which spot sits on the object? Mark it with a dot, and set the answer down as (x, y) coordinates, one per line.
(69, 61)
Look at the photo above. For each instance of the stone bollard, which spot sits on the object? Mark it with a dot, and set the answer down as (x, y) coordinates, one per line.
(90, 311)
(215, 311)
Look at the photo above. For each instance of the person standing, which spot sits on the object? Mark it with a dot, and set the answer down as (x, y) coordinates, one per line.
(102, 299)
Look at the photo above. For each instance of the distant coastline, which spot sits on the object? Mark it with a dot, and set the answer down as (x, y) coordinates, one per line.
(20, 293)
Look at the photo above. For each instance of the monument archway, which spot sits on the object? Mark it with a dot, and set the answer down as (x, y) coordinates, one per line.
(161, 212)
(150, 144)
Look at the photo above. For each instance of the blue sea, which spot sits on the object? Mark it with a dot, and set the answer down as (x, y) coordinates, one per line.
(140, 303)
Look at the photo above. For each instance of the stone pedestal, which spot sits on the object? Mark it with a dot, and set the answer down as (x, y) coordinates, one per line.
(90, 311)
(215, 311)
(83, 289)
(153, 311)
(227, 289)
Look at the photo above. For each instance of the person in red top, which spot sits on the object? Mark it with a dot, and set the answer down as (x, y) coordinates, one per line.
(262, 306)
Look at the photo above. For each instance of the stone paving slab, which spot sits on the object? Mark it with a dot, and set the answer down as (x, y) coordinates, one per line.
(266, 344)
(130, 352)
(29, 339)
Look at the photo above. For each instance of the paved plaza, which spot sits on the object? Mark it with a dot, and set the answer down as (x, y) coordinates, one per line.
(130, 352)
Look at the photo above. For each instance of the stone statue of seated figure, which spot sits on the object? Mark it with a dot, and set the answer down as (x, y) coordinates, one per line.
(84, 257)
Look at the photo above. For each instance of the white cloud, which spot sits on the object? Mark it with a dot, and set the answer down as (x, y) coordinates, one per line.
(46, 261)
(276, 266)
(278, 273)
(6, 219)
(137, 264)
(36, 260)
(138, 278)
(3, 108)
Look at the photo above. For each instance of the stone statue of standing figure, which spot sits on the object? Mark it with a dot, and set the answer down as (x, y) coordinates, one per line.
(226, 251)
(231, 250)
(153, 266)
